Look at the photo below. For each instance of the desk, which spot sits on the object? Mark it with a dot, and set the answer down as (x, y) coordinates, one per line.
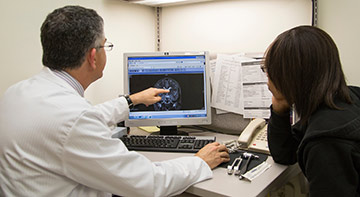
(223, 184)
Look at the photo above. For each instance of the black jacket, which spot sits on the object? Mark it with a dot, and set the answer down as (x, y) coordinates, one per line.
(327, 148)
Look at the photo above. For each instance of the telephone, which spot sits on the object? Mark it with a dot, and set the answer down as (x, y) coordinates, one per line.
(254, 136)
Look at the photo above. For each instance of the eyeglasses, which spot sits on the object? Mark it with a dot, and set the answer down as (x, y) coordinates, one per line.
(263, 68)
(108, 46)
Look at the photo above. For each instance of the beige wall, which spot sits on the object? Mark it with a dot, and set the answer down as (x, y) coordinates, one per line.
(231, 26)
(220, 26)
(341, 20)
(130, 28)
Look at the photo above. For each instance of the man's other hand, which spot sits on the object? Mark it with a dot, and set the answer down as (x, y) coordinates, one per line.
(214, 154)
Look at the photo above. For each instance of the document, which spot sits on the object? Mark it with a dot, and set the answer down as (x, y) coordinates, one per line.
(212, 64)
(212, 72)
(227, 83)
(256, 95)
(239, 86)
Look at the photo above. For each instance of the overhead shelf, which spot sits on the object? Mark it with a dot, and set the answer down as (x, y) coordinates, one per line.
(163, 3)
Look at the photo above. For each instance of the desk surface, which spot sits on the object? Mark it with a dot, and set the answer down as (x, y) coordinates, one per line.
(223, 184)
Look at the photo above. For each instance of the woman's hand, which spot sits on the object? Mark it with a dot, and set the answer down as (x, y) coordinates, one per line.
(279, 103)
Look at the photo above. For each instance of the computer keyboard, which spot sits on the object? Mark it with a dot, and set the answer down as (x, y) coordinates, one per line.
(165, 143)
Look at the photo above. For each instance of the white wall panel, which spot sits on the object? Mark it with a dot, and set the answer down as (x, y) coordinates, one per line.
(232, 25)
(341, 20)
(130, 28)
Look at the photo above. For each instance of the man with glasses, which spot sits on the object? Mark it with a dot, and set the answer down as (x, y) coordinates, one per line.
(55, 143)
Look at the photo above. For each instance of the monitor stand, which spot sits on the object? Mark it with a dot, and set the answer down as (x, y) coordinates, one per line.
(171, 130)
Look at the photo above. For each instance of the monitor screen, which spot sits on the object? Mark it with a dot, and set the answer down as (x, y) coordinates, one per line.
(185, 74)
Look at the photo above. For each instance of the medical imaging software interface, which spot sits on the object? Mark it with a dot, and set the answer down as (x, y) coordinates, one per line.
(184, 76)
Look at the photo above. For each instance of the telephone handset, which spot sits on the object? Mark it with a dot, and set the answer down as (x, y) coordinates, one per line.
(254, 136)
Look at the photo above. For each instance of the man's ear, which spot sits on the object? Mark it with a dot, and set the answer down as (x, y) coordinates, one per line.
(91, 58)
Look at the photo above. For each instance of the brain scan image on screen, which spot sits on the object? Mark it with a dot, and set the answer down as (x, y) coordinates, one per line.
(171, 100)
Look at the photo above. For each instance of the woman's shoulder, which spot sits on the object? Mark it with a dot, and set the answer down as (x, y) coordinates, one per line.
(355, 91)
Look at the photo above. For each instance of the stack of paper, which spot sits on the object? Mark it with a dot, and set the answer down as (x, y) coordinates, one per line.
(240, 86)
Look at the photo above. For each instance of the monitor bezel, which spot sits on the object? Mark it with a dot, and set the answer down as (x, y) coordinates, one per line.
(171, 121)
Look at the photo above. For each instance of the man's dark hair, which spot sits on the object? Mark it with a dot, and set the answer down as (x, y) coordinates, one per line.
(67, 34)
(304, 65)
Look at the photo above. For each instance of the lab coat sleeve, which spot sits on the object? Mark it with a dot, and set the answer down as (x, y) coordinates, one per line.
(96, 160)
(189, 171)
(113, 111)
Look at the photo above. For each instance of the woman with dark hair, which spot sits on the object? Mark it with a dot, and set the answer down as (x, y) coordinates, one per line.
(304, 72)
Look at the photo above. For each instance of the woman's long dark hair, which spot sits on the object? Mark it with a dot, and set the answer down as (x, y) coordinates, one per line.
(304, 65)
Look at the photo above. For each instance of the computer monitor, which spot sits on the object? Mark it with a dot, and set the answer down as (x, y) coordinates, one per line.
(185, 74)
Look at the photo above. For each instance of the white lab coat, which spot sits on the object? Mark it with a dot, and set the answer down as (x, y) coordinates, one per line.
(55, 143)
